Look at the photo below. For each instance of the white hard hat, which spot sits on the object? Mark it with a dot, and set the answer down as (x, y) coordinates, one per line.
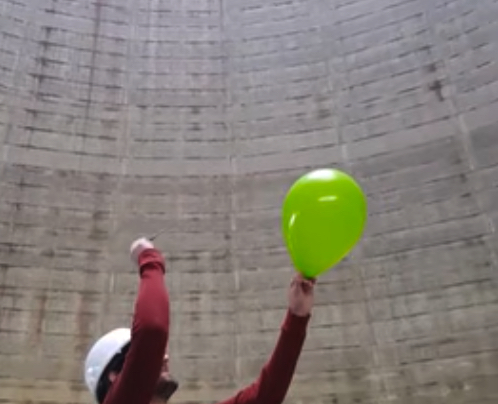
(101, 354)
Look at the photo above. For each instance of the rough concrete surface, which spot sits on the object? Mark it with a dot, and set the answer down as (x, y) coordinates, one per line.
(120, 117)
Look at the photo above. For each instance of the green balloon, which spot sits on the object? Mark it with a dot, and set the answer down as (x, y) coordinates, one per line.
(323, 216)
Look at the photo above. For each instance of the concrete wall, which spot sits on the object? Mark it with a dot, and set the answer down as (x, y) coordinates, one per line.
(118, 118)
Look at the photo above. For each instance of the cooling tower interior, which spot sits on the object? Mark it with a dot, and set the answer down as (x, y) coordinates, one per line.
(119, 118)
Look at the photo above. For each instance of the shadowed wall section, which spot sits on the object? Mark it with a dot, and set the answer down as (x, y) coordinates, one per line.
(119, 118)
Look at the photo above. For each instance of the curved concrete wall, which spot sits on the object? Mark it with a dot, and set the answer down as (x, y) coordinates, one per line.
(120, 118)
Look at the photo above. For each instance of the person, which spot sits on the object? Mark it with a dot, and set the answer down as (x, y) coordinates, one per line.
(131, 366)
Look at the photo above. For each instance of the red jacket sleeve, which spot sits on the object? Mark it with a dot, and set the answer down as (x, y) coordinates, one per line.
(149, 336)
(275, 378)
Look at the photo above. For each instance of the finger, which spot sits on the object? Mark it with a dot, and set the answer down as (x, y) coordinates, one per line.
(298, 277)
(299, 282)
(307, 281)
(307, 286)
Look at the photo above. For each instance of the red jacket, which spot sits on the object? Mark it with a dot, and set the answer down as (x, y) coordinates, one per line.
(150, 332)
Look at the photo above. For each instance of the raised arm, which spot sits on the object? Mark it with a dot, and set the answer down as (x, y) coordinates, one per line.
(275, 378)
(137, 381)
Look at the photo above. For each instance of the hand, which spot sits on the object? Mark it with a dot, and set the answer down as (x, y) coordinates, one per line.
(301, 296)
(137, 247)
